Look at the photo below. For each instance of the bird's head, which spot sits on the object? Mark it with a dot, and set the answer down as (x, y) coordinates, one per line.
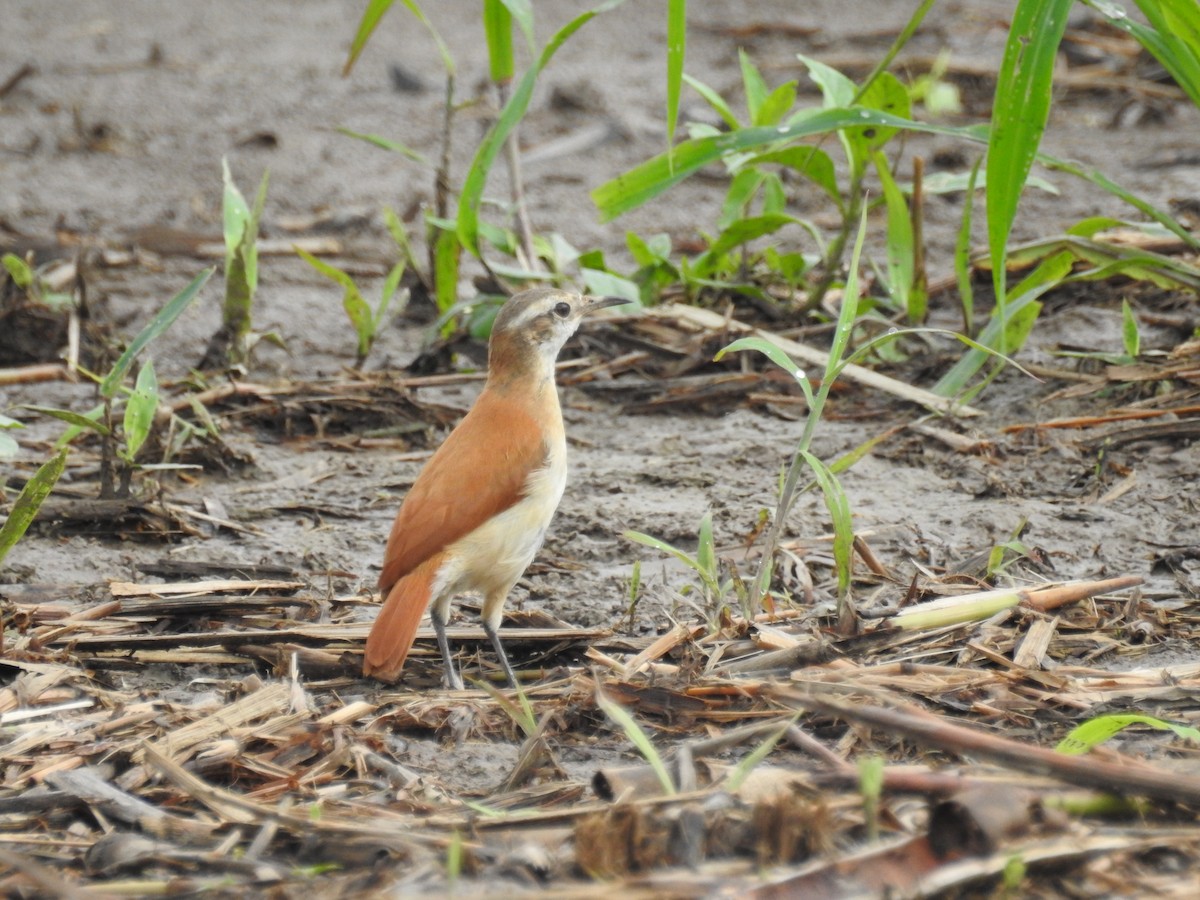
(532, 327)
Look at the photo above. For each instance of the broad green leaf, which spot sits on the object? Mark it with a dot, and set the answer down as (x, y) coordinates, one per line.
(776, 104)
(887, 95)
(774, 197)
(742, 188)
(139, 410)
(605, 284)
(649, 252)
(25, 507)
(812, 163)
(1095, 732)
(836, 89)
(1019, 113)
(754, 86)
(747, 229)
(160, 323)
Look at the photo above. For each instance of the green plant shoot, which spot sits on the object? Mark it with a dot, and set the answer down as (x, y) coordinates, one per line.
(241, 266)
(32, 495)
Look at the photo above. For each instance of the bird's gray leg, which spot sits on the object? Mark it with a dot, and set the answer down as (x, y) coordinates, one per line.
(490, 630)
(439, 615)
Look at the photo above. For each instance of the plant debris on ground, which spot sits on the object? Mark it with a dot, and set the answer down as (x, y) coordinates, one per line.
(981, 683)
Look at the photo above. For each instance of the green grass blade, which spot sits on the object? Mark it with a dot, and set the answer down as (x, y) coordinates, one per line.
(765, 347)
(74, 419)
(390, 285)
(715, 100)
(497, 27)
(706, 551)
(522, 13)
(848, 315)
(905, 35)
(514, 110)
(900, 245)
(637, 737)
(1022, 312)
(331, 272)
(1130, 336)
(1173, 38)
(521, 712)
(756, 89)
(676, 49)
(809, 162)
(1095, 732)
(18, 270)
(1019, 114)
(25, 507)
(838, 506)
(366, 27)
(139, 410)
(646, 181)
(386, 144)
(757, 755)
(1103, 182)
(446, 255)
(656, 544)
(160, 323)
(962, 254)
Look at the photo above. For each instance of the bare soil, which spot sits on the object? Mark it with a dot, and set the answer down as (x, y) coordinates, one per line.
(114, 141)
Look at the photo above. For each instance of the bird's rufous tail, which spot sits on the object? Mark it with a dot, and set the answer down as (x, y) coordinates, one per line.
(395, 629)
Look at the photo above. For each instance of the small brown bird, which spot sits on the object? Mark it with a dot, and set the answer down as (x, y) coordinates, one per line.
(479, 510)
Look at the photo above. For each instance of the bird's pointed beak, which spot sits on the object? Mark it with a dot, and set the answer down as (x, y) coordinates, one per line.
(594, 303)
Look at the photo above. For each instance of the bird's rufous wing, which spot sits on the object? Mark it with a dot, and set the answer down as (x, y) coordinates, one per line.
(481, 470)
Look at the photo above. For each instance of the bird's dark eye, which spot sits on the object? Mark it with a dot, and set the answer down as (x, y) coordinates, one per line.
(562, 310)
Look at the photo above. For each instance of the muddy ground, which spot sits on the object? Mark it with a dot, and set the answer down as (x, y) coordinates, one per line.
(118, 134)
